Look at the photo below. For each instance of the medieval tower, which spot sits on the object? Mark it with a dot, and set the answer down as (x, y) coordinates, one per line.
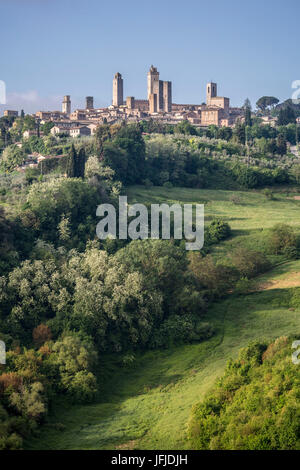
(66, 105)
(211, 92)
(89, 102)
(117, 90)
(153, 81)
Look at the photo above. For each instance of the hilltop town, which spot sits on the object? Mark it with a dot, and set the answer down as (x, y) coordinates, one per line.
(158, 106)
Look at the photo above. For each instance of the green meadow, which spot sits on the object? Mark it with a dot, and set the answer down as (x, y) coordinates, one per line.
(147, 403)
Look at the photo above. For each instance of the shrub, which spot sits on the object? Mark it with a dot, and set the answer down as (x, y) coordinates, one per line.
(235, 199)
(283, 241)
(269, 194)
(180, 329)
(249, 263)
(243, 286)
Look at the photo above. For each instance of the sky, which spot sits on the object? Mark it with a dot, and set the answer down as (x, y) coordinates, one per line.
(51, 48)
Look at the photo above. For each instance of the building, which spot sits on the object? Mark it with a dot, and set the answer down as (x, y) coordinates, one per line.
(212, 98)
(59, 130)
(50, 115)
(89, 102)
(211, 92)
(80, 131)
(211, 115)
(78, 115)
(141, 105)
(66, 105)
(118, 90)
(130, 102)
(167, 97)
(162, 90)
(92, 128)
(153, 103)
(10, 113)
(31, 132)
(153, 82)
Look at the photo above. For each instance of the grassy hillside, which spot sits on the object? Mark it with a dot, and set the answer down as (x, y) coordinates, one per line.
(255, 405)
(147, 405)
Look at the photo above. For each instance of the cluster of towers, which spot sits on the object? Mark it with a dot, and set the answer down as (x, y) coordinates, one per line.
(66, 104)
(159, 99)
(159, 93)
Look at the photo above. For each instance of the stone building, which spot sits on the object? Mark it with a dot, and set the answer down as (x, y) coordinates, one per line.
(153, 103)
(89, 102)
(10, 113)
(118, 90)
(162, 90)
(130, 102)
(211, 92)
(212, 98)
(80, 131)
(153, 82)
(167, 97)
(66, 105)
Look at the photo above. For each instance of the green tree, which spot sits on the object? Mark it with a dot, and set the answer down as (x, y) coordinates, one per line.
(266, 102)
(247, 112)
(11, 157)
(281, 144)
(72, 163)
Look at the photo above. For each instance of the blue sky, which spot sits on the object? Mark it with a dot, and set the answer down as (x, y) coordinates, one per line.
(49, 48)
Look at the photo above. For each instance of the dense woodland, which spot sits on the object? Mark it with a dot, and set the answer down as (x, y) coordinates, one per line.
(68, 299)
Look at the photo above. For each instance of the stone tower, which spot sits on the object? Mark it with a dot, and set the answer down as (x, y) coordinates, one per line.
(211, 92)
(89, 102)
(167, 97)
(118, 90)
(153, 103)
(130, 102)
(153, 82)
(66, 105)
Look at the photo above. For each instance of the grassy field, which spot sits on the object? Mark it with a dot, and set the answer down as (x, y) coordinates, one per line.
(147, 405)
(248, 219)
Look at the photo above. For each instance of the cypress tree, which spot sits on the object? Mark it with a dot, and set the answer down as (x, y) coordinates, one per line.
(80, 164)
(72, 163)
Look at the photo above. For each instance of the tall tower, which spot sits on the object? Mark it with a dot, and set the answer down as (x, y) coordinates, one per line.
(153, 81)
(118, 90)
(66, 105)
(167, 97)
(211, 92)
(153, 103)
(89, 102)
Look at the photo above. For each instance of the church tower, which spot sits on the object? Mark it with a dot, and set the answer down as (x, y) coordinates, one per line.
(66, 105)
(211, 92)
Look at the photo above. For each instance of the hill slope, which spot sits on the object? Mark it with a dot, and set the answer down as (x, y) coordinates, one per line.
(147, 405)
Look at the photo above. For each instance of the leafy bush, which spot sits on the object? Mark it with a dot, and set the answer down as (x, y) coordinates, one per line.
(180, 329)
(249, 263)
(283, 241)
